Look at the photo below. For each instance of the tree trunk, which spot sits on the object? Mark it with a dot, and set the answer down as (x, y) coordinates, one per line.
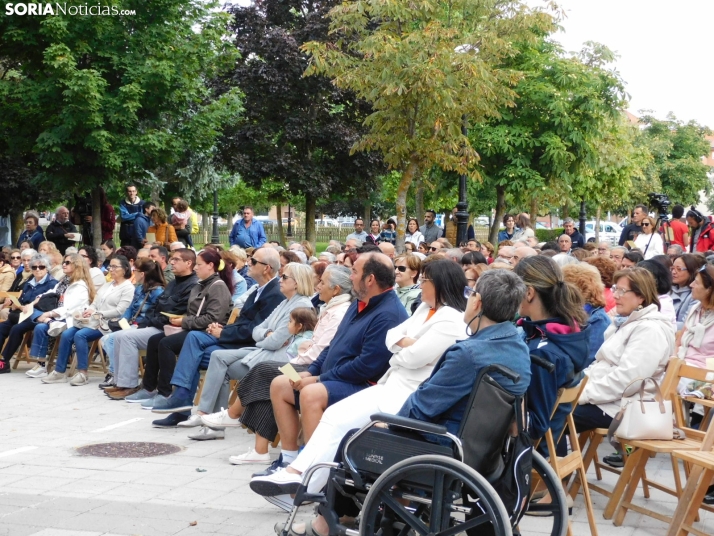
(500, 211)
(18, 225)
(310, 209)
(534, 211)
(407, 178)
(419, 200)
(597, 225)
(367, 212)
(97, 217)
(205, 226)
(281, 231)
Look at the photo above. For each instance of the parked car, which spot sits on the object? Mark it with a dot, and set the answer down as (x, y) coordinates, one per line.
(327, 222)
(609, 232)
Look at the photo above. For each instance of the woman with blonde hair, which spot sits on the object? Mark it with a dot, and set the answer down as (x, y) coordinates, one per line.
(7, 273)
(47, 248)
(587, 279)
(649, 241)
(74, 292)
(164, 232)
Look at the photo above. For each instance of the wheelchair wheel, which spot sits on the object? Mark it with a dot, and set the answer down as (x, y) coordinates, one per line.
(432, 495)
(549, 518)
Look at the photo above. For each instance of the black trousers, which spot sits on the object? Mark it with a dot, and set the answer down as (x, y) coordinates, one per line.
(161, 355)
(586, 417)
(13, 333)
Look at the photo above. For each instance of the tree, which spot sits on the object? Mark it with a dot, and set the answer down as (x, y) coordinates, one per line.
(423, 67)
(543, 150)
(109, 98)
(297, 131)
(677, 149)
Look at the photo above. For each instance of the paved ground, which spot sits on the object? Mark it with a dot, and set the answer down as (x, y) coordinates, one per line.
(46, 489)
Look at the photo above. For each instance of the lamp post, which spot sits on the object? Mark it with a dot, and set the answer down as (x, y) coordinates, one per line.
(290, 221)
(462, 215)
(583, 215)
(215, 239)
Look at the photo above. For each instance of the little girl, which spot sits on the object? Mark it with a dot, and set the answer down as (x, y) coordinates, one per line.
(302, 322)
(180, 219)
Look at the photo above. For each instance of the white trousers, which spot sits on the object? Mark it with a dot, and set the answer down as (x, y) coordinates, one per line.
(352, 412)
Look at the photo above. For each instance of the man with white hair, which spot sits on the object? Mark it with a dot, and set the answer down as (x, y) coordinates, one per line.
(603, 250)
(454, 254)
(57, 230)
(327, 257)
(352, 244)
(296, 246)
(505, 254)
(617, 254)
(176, 245)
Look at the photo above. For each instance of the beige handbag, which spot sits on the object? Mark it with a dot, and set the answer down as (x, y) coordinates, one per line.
(641, 418)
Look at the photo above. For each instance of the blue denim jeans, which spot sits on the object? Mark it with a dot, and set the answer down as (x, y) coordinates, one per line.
(108, 345)
(40, 340)
(195, 355)
(81, 339)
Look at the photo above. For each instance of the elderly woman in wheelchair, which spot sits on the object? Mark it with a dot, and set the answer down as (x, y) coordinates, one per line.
(459, 435)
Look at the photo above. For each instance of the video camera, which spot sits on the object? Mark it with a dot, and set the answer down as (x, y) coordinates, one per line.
(661, 204)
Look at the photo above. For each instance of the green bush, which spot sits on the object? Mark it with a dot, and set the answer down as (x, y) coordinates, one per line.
(548, 235)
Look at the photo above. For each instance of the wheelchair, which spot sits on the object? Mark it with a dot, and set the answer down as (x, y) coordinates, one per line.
(395, 482)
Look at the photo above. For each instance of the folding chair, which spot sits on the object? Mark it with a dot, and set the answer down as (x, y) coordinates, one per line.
(94, 350)
(620, 501)
(573, 462)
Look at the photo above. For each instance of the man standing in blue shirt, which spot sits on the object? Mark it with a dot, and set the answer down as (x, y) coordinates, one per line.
(359, 232)
(246, 232)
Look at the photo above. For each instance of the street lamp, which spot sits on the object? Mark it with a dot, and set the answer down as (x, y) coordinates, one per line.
(290, 221)
(462, 215)
(583, 215)
(215, 239)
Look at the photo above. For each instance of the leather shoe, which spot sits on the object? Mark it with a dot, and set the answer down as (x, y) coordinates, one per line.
(121, 394)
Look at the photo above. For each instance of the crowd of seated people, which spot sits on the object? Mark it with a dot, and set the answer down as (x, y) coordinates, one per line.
(365, 330)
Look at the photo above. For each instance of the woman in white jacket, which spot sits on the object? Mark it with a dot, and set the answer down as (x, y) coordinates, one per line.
(417, 343)
(109, 304)
(649, 242)
(638, 348)
(413, 234)
(73, 293)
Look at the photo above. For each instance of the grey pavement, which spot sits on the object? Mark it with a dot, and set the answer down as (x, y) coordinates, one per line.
(47, 489)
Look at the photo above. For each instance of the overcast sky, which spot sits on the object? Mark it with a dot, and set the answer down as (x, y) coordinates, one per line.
(666, 50)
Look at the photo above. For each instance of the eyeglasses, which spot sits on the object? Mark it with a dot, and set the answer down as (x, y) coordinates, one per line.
(65, 263)
(285, 277)
(255, 261)
(678, 269)
(468, 291)
(113, 267)
(618, 292)
(400, 268)
(39, 267)
(645, 225)
(14, 258)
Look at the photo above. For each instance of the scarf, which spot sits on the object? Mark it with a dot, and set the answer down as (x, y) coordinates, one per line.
(695, 327)
(61, 288)
(334, 302)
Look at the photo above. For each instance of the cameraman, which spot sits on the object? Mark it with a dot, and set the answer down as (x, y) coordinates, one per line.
(633, 228)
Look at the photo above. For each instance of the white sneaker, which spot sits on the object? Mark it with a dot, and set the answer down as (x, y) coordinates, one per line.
(250, 457)
(193, 421)
(55, 377)
(37, 372)
(79, 379)
(219, 420)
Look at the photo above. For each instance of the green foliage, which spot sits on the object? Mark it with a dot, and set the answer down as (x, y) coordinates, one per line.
(103, 99)
(675, 166)
(423, 67)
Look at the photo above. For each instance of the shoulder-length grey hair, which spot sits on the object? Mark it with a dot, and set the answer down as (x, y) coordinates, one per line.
(339, 276)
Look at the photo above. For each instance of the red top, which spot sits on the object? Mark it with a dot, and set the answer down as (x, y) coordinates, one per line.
(679, 230)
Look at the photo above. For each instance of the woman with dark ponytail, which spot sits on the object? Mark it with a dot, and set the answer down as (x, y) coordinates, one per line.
(555, 329)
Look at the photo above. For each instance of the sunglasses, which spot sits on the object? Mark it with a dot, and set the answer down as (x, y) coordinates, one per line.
(15, 258)
(645, 225)
(65, 263)
(39, 267)
(255, 261)
(433, 249)
(400, 268)
(285, 277)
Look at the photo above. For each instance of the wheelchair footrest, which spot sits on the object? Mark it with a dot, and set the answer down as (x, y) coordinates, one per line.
(302, 497)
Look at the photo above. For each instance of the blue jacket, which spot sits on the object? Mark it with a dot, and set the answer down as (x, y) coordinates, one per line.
(443, 397)
(128, 213)
(553, 340)
(30, 292)
(503, 235)
(599, 322)
(239, 334)
(241, 287)
(358, 354)
(141, 224)
(253, 236)
(138, 300)
(36, 238)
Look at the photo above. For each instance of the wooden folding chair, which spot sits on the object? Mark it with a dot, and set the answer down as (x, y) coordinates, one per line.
(94, 364)
(23, 353)
(700, 478)
(620, 501)
(572, 463)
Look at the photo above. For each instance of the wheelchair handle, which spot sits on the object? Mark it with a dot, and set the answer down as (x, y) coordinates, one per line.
(504, 371)
(544, 363)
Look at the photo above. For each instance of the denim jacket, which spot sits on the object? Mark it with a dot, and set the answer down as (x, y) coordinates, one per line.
(132, 314)
(443, 397)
